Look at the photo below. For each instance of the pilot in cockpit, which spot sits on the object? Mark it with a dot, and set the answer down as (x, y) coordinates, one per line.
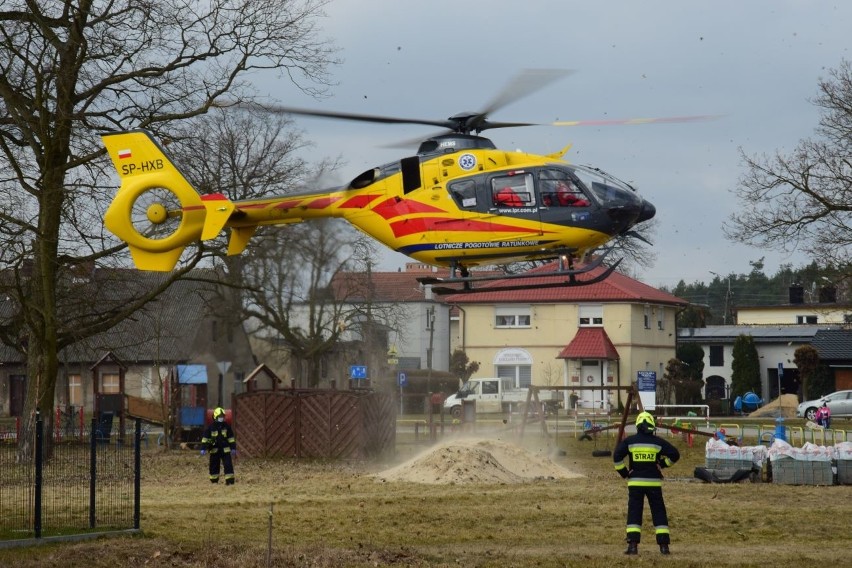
(562, 193)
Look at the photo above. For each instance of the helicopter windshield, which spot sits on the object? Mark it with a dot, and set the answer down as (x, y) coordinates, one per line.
(608, 190)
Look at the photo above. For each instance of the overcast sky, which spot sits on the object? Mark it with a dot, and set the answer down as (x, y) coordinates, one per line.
(755, 62)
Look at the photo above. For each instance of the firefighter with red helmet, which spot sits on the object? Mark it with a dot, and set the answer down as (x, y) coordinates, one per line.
(218, 440)
(639, 459)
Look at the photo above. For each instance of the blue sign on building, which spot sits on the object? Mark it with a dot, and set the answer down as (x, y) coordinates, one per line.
(358, 372)
(646, 381)
(402, 379)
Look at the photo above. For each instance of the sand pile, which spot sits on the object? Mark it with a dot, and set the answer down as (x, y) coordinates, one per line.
(477, 460)
(785, 406)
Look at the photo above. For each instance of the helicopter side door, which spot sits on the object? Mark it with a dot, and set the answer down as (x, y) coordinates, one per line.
(512, 200)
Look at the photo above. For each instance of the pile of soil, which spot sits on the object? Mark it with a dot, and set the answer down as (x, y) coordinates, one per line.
(785, 407)
(477, 460)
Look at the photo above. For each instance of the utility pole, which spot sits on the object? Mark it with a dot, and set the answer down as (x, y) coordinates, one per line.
(430, 321)
(727, 298)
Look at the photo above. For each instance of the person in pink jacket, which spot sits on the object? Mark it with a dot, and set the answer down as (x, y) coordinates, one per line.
(823, 415)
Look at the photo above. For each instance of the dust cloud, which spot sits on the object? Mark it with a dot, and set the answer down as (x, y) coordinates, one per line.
(477, 460)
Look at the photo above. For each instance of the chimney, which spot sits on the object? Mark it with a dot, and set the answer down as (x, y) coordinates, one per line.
(797, 294)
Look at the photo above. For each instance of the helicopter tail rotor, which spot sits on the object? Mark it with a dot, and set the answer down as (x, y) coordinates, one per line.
(156, 211)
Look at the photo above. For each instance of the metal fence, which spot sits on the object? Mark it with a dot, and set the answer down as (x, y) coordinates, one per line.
(89, 484)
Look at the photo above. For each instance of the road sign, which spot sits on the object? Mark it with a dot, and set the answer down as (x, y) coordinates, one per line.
(401, 379)
(358, 372)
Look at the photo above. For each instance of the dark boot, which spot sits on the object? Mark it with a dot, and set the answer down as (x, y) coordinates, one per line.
(664, 549)
(214, 481)
(632, 547)
(229, 482)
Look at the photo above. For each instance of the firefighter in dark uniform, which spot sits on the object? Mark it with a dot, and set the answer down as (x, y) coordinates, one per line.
(639, 459)
(219, 441)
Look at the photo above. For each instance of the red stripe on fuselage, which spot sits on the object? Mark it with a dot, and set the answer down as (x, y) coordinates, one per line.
(359, 201)
(396, 208)
(288, 204)
(322, 202)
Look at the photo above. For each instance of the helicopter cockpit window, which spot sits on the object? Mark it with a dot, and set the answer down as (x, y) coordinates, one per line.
(607, 189)
(513, 191)
(464, 192)
(558, 189)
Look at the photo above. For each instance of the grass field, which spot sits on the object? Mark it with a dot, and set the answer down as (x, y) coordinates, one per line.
(331, 514)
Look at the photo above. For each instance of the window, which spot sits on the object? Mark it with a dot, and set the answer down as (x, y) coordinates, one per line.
(75, 390)
(661, 318)
(490, 387)
(558, 189)
(806, 319)
(591, 316)
(717, 356)
(464, 193)
(512, 316)
(521, 375)
(513, 191)
(109, 384)
(239, 385)
(647, 316)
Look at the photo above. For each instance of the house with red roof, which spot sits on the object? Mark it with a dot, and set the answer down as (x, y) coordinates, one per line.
(416, 322)
(596, 335)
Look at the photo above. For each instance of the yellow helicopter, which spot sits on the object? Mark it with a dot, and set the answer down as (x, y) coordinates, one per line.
(459, 202)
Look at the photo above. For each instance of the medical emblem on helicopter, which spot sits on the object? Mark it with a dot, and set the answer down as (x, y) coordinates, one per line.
(459, 202)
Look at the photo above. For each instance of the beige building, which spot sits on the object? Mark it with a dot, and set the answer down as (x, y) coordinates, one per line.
(825, 311)
(598, 335)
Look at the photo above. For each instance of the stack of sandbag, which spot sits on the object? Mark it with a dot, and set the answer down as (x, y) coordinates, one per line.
(808, 465)
(844, 463)
(725, 463)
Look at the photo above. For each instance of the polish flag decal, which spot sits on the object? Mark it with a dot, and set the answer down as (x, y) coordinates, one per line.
(124, 154)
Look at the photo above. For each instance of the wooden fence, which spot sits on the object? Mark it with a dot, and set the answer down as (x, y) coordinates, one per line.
(313, 423)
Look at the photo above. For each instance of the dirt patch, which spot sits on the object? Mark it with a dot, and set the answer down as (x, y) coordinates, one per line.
(477, 460)
(785, 407)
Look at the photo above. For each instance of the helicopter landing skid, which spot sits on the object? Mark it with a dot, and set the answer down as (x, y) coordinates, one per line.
(571, 280)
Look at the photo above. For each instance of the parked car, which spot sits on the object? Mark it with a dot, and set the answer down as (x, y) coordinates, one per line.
(840, 404)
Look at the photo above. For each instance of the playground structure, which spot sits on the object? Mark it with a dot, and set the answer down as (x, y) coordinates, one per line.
(749, 402)
(183, 405)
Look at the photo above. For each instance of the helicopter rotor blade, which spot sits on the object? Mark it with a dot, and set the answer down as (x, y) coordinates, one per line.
(524, 84)
(633, 121)
(280, 109)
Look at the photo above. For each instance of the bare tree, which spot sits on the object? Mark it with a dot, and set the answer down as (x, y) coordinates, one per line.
(311, 284)
(632, 251)
(248, 154)
(72, 69)
(288, 276)
(803, 199)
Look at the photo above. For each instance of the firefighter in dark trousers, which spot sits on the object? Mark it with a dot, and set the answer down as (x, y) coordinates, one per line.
(639, 459)
(219, 441)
